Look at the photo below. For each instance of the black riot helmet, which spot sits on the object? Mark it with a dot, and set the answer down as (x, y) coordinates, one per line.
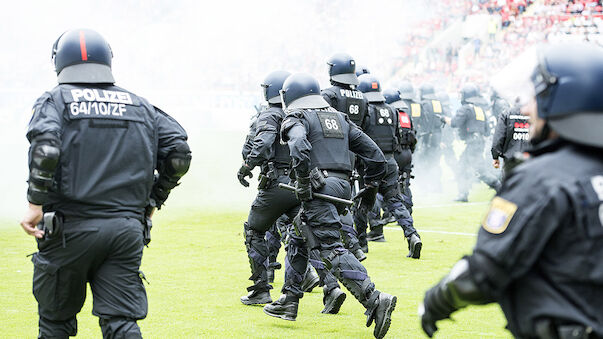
(82, 56)
(370, 87)
(362, 70)
(568, 91)
(407, 91)
(392, 97)
(301, 90)
(342, 69)
(427, 91)
(272, 85)
(470, 94)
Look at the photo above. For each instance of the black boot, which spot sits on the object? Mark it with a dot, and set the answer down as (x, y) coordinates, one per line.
(256, 297)
(414, 246)
(376, 234)
(310, 281)
(462, 197)
(359, 254)
(382, 314)
(285, 307)
(363, 242)
(333, 301)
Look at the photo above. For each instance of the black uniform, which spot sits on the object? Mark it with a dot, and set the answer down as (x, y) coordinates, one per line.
(101, 195)
(510, 137)
(321, 139)
(470, 120)
(382, 126)
(539, 253)
(430, 138)
(408, 140)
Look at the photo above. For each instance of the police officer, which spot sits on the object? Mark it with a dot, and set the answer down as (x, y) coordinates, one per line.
(539, 251)
(499, 104)
(319, 139)
(362, 70)
(470, 120)
(430, 136)
(89, 196)
(344, 97)
(448, 135)
(382, 127)
(510, 139)
(271, 202)
(407, 140)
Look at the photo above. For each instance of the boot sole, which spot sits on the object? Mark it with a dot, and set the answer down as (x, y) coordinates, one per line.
(281, 316)
(388, 319)
(377, 239)
(415, 253)
(257, 302)
(334, 309)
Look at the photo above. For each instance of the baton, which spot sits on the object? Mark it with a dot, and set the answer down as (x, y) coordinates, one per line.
(320, 196)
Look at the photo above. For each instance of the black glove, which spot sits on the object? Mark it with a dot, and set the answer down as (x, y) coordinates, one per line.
(436, 306)
(367, 197)
(303, 189)
(244, 171)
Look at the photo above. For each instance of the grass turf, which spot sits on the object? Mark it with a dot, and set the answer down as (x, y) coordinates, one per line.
(197, 269)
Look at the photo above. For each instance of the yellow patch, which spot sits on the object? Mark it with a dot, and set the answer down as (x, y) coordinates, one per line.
(33, 110)
(415, 110)
(479, 113)
(437, 106)
(500, 214)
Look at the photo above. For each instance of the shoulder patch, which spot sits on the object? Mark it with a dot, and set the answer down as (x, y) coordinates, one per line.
(415, 109)
(500, 214)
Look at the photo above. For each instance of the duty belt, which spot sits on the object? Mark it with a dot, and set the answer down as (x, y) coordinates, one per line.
(337, 174)
(282, 171)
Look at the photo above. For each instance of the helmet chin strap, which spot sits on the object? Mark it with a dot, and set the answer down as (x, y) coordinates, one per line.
(544, 135)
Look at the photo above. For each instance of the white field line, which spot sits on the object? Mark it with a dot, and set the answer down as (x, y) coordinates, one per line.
(458, 204)
(433, 231)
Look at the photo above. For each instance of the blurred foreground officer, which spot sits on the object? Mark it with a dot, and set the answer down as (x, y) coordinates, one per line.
(539, 253)
(510, 139)
(470, 120)
(319, 140)
(94, 150)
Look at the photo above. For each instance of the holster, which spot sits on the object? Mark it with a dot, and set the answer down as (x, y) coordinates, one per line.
(51, 224)
(302, 229)
(317, 179)
(266, 179)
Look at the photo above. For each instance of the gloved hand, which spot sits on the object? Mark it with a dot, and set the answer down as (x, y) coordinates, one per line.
(244, 171)
(435, 307)
(303, 189)
(367, 197)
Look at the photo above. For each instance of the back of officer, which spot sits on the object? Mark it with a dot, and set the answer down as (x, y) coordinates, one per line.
(430, 137)
(499, 104)
(407, 94)
(470, 120)
(84, 134)
(382, 126)
(319, 140)
(539, 253)
(343, 95)
(407, 141)
(510, 139)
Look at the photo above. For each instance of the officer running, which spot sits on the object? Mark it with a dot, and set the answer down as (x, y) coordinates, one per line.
(539, 252)
(89, 196)
(511, 138)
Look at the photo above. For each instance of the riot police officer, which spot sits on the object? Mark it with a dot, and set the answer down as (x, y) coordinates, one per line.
(271, 202)
(313, 131)
(382, 126)
(407, 140)
(89, 195)
(470, 120)
(499, 104)
(538, 252)
(362, 70)
(510, 139)
(430, 136)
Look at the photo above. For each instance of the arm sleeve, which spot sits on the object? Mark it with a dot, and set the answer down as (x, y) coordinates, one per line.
(249, 138)
(45, 119)
(368, 151)
(329, 97)
(261, 146)
(458, 120)
(501, 257)
(499, 136)
(171, 135)
(293, 131)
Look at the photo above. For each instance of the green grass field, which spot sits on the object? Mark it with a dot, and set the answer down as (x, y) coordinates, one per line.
(197, 269)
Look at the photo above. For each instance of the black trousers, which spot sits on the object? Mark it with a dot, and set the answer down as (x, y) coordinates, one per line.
(103, 252)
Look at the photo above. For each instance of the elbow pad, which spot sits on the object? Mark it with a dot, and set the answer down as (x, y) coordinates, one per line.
(171, 170)
(44, 160)
(461, 288)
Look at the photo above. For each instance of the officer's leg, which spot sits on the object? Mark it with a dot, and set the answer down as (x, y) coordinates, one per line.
(119, 295)
(393, 203)
(324, 221)
(59, 279)
(361, 221)
(465, 177)
(350, 238)
(405, 188)
(273, 240)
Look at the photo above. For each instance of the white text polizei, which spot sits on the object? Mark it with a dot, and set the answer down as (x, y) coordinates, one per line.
(93, 94)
